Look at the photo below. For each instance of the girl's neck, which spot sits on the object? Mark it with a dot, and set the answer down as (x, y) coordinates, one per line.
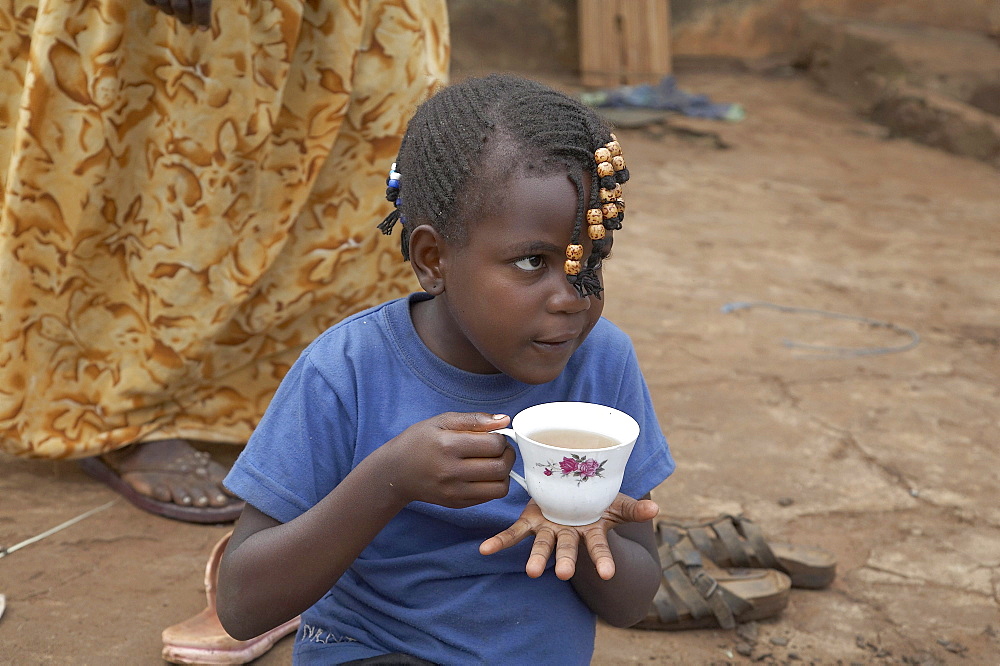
(428, 319)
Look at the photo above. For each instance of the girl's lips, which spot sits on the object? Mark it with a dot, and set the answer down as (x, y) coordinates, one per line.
(557, 341)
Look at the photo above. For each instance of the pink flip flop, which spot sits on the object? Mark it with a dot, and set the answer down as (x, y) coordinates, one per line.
(202, 640)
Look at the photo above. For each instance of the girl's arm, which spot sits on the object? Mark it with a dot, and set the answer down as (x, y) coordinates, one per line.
(624, 599)
(273, 571)
(620, 573)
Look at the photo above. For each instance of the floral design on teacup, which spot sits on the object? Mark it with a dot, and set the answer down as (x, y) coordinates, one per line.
(576, 466)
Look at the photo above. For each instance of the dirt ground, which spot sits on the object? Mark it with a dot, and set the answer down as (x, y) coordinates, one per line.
(887, 458)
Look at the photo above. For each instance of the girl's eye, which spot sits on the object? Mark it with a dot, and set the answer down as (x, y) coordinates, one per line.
(532, 263)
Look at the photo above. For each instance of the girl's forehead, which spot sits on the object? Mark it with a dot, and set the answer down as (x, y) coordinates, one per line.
(554, 189)
(531, 206)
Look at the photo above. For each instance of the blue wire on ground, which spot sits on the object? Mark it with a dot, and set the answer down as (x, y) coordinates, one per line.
(829, 351)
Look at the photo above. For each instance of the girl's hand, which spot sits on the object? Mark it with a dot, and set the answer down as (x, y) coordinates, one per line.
(451, 460)
(565, 540)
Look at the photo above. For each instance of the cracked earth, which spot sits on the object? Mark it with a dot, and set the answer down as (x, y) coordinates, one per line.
(851, 404)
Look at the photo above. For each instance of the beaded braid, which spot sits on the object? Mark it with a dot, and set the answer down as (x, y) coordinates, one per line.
(448, 168)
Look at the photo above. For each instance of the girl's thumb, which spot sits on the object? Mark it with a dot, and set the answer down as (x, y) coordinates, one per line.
(481, 422)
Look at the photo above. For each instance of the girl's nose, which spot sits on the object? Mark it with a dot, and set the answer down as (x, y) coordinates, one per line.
(566, 299)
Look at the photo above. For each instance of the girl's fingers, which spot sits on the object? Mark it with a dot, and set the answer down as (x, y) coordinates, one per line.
(567, 548)
(600, 553)
(637, 511)
(511, 536)
(541, 549)
(485, 469)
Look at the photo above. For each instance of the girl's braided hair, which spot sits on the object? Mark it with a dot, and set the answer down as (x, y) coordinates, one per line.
(471, 139)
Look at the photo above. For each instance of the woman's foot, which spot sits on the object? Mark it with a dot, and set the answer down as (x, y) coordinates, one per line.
(171, 470)
(168, 478)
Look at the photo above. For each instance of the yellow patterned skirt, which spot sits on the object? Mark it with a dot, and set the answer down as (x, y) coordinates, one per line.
(183, 211)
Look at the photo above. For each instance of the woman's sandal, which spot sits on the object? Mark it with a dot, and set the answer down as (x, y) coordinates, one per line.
(692, 598)
(202, 640)
(734, 541)
(107, 470)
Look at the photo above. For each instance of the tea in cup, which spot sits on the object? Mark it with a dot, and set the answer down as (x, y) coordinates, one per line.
(574, 456)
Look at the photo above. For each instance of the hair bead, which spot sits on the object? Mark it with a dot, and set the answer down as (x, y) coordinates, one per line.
(609, 210)
(605, 169)
(572, 267)
(595, 216)
(602, 155)
(574, 252)
(614, 148)
(618, 162)
(393, 183)
(596, 231)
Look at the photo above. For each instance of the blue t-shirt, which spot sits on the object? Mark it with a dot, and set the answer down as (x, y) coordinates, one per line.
(422, 587)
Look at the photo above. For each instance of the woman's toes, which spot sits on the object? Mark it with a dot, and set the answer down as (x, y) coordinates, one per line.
(174, 471)
(197, 494)
(218, 498)
(162, 493)
(181, 494)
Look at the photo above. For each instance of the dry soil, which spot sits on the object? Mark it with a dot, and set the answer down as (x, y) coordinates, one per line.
(885, 451)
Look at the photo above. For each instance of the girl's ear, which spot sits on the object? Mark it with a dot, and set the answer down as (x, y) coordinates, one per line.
(426, 246)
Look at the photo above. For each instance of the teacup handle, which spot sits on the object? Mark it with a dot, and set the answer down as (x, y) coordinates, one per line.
(514, 475)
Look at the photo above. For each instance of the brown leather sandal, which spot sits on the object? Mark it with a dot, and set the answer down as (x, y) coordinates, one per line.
(735, 541)
(690, 597)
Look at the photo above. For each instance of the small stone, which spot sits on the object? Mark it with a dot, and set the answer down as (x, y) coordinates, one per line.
(744, 649)
(794, 656)
(952, 646)
(748, 632)
(785, 501)
(779, 640)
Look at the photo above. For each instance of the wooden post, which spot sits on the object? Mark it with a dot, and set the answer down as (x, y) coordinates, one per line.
(624, 41)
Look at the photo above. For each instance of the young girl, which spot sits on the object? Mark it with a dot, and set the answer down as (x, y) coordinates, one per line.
(378, 501)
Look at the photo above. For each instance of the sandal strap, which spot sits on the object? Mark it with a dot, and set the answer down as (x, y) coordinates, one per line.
(710, 543)
(730, 541)
(734, 541)
(689, 586)
(757, 544)
(681, 546)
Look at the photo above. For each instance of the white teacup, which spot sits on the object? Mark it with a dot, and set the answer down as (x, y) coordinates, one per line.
(575, 472)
